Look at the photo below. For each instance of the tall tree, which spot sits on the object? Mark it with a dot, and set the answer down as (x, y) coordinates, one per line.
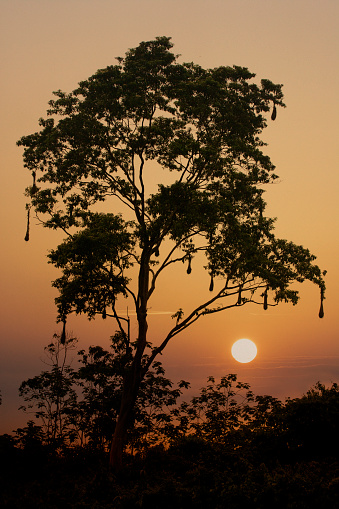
(102, 142)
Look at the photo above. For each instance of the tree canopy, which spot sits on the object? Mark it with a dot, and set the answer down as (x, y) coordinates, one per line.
(109, 139)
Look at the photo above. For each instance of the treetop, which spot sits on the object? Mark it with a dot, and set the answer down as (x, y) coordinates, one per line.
(102, 143)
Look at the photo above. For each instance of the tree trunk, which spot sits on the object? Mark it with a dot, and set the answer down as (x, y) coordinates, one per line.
(133, 376)
(128, 399)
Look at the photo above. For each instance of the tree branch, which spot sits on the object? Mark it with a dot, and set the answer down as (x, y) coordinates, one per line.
(203, 309)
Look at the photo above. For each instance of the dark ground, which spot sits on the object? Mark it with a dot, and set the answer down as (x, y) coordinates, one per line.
(191, 474)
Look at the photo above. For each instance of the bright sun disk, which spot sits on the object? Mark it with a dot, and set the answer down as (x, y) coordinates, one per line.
(244, 350)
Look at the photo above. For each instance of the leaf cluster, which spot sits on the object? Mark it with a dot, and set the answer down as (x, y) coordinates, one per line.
(107, 140)
(93, 264)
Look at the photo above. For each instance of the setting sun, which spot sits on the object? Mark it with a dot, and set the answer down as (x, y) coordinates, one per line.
(244, 350)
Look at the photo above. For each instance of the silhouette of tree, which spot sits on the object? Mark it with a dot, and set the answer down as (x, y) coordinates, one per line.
(31, 437)
(100, 377)
(106, 141)
(51, 397)
(80, 406)
(311, 423)
(216, 412)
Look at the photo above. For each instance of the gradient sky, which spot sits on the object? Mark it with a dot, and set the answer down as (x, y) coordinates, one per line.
(53, 44)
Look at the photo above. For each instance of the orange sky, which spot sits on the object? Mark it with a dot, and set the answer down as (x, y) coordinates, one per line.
(48, 45)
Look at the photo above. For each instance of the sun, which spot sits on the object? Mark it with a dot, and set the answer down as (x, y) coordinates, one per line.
(244, 350)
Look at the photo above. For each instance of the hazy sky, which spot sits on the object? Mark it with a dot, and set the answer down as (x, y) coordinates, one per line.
(53, 44)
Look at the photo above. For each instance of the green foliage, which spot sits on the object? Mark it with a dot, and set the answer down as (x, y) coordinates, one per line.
(93, 263)
(204, 126)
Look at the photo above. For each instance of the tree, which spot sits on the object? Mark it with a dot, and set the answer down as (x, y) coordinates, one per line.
(220, 409)
(100, 377)
(51, 396)
(311, 422)
(80, 406)
(203, 127)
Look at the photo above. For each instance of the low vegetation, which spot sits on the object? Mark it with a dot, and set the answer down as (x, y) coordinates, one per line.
(224, 448)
